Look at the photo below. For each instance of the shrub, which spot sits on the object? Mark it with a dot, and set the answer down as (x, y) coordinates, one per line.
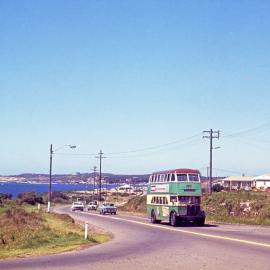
(59, 197)
(30, 198)
(217, 188)
(4, 197)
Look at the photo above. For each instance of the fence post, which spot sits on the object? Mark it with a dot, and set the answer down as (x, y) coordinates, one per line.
(85, 230)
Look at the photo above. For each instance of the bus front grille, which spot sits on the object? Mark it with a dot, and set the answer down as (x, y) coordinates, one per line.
(192, 210)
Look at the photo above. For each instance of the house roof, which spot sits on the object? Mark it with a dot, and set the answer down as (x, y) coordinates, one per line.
(239, 178)
(263, 177)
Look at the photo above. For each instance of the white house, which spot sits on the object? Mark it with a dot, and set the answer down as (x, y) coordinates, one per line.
(262, 181)
(124, 189)
(237, 182)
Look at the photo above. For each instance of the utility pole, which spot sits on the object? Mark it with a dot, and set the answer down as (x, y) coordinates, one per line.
(211, 135)
(94, 170)
(50, 181)
(100, 157)
(50, 184)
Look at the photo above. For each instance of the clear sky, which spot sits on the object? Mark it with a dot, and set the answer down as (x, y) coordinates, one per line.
(127, 75)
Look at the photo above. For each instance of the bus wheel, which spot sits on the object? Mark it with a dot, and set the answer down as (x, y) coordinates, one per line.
(200, 221)
(173, 219)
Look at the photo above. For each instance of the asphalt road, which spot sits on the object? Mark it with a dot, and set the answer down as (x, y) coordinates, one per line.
(137, 244)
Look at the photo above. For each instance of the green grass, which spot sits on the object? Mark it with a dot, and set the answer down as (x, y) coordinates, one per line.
(232, 207)
(24, 231)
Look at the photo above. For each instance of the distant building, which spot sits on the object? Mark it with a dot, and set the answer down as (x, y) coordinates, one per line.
(262, 181)
(237, 182)
(124, 189)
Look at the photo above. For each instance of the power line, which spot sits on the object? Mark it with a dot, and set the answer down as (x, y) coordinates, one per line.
(185, 141)
(77, 154)
(263, 127)
(155, 152)
(250, 143)
(155, 147)
(227, 171)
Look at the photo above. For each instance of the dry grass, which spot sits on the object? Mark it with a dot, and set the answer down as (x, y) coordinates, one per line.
(26, 233)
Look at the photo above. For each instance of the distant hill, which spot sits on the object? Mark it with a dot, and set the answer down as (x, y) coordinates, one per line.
(76, 178)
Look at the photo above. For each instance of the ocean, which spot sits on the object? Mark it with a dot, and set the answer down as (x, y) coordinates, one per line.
(16, 188)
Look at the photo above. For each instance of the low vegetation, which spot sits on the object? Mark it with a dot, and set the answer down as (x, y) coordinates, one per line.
(135, 204)
(246, 207)
(26, 231)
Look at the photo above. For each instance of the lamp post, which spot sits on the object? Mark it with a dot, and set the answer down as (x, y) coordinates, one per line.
(50, 178)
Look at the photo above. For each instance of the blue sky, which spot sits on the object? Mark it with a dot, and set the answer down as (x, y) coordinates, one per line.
(127, 75)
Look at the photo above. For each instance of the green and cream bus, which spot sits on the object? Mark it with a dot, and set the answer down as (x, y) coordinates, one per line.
(174, 196)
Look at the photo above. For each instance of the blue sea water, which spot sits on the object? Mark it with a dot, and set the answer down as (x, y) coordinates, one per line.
(16, 188)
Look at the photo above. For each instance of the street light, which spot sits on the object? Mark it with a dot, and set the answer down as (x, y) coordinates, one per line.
(50, 184)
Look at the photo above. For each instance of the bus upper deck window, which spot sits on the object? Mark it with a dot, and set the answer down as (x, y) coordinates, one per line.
(168, 177)
(181, 177)
(162, 178)
(193, 177)
(172, 177)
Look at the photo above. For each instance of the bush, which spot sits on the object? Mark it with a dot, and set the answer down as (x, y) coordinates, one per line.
(59, 197)
(5, 197)
(30, 198)
(217, 188)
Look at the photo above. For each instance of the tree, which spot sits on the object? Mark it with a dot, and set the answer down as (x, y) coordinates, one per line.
(30, 198)
(217, 188)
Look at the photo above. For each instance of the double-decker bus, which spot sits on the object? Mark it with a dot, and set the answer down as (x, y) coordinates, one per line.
(174, 196)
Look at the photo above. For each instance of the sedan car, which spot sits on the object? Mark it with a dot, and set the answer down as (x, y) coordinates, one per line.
(77, 206)
(92, 206)
(109, 208)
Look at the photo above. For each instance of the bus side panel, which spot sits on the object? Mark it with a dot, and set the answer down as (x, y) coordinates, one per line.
(159, 211)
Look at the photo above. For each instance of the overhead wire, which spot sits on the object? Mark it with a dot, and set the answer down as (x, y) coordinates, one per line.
(154, 152)
(263, 127)
(155, 147)
(151, 149)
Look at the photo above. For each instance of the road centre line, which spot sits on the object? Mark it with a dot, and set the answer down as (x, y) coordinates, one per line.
(189, 232)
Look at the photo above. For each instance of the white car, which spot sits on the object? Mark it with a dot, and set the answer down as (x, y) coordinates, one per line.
(92, 206)
(109, 208)
(77, 206)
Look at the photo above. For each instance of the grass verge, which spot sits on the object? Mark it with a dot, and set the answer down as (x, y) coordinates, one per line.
(25, 232)
(243, 207)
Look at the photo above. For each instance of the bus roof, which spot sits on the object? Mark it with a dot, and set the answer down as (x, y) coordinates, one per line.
(178, 171)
